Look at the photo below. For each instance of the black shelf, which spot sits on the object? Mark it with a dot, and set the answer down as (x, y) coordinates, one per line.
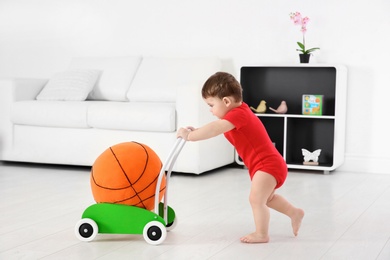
(310, 134)
(274, 84)
(293, 131)
(275, 126)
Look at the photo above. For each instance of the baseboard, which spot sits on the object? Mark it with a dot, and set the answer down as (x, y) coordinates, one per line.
(364, 163)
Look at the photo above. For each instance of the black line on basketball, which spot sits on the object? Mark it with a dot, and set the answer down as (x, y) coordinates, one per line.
(124, 173)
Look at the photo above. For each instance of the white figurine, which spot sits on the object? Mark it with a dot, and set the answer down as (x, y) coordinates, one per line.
(311, 156)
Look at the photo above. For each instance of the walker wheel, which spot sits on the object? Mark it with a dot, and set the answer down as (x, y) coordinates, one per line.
(86, 229)
(154, 233)
(172, 225)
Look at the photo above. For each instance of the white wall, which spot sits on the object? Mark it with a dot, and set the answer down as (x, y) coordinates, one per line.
(38, 38)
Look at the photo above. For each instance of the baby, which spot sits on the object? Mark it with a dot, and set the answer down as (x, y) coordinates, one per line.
(267, 168)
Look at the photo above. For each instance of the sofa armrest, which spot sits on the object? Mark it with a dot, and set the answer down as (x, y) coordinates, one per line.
(18, 89)
(12, 90)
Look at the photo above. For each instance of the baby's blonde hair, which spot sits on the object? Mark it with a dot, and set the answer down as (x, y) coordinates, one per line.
(222, 84)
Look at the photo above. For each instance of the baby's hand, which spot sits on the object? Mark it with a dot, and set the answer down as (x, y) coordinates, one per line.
(183, 132)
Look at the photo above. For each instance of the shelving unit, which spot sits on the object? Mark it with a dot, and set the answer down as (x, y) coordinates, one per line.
(293, 131)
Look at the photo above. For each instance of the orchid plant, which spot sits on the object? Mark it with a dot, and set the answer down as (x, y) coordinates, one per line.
(302, 21)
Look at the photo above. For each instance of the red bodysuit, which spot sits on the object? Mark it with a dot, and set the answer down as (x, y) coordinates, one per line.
(251, 140)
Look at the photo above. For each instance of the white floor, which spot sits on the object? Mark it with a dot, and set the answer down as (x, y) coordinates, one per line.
(347, 217)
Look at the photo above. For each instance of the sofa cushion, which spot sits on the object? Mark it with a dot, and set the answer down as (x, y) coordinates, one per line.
(70, 85)
(71, 114)
(158, 78)
(117, 75)
(134, 116)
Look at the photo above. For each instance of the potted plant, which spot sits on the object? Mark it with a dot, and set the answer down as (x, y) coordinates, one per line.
(305, 53)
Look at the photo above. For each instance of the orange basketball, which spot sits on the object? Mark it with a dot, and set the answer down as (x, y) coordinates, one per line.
(127, 173)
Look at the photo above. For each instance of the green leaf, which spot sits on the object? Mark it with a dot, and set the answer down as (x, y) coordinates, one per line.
(301, 45)
(312, 49)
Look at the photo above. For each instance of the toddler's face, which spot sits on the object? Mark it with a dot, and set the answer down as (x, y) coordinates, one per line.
(218, 107)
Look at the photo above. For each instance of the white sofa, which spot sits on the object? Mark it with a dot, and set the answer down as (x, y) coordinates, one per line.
(142, 99)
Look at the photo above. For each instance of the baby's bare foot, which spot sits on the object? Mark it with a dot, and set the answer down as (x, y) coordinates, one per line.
(296, 220)
(254, 238)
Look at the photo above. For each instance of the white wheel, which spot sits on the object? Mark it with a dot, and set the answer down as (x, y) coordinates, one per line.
(154, 233)
(86, 229)
(173, 225)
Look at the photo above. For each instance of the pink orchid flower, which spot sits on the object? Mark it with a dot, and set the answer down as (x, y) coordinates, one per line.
(298, 20)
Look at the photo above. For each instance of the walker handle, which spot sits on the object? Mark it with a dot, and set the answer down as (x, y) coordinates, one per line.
(167, 167)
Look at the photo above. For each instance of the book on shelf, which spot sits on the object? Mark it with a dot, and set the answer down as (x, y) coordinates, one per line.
(312, 104)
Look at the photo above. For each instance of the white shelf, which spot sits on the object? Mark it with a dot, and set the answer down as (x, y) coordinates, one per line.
(294, 116)
(326, 169)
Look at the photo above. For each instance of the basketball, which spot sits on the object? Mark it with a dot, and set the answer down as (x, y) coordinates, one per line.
(127, 173)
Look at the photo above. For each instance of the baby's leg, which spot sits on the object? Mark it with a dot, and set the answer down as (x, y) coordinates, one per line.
(280, 204)
(263, 185)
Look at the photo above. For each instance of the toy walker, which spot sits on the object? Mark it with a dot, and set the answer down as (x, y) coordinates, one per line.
(110, 218)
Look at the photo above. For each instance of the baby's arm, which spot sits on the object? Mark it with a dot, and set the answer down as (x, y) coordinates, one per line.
(205, 132)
